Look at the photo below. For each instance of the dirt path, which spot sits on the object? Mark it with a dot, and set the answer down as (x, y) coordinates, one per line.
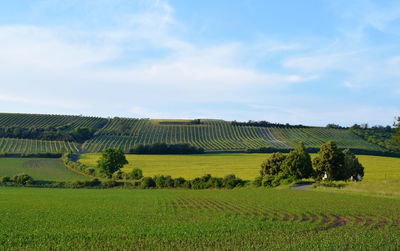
(302, 187)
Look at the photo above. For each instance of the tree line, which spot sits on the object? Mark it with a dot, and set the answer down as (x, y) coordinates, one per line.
(79, 134)
(163, 148)
(264, 123)
(331, 164)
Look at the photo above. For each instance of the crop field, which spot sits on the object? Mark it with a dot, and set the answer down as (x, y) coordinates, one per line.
(39, 169)
(210, 134)
(240, 219)
(9, 145)
(43, 121)
(244, 165)
(216, 135)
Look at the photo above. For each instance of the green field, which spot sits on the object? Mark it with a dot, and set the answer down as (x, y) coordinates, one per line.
(244, 219)
(39, 169)
(244, 165)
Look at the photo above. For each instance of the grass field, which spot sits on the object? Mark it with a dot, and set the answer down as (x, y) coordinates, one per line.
(39, 169)
(244, 219)
(246, 166)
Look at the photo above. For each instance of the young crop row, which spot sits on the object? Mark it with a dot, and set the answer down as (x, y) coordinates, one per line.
(43, 121)
(217, 135)
(8, 145)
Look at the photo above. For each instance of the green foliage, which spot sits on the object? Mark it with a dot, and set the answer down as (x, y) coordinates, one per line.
(352, 166)
(136, 174)
(163, 148)
(111, 161)
(298, 163)
(231, 181)
(148, 182)
(118, 175)
(383, 136)
(5, 179)
(330, 161)
(272, 165)
(397, 134)
(23, 179)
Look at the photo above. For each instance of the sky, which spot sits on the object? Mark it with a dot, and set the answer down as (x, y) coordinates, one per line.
(309, 62)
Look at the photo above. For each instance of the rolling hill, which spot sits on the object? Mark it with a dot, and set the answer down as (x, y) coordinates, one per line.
(54, 133)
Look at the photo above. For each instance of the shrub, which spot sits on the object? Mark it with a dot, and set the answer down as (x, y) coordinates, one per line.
(179, 182)
(163, 181)
(90, 171)
(23, 179)
(148, 182)
(93, 183)
(118, 175)
(109, 183)
(77, 184)
(136, 174)
(231, 181)
(5, 179)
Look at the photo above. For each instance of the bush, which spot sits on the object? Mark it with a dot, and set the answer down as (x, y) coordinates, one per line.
(5, 179)
(90, 171)
(148, 182)
(163, 181)
(23, 179)
(231, 181)
(118, 175)
(136, 174)
(179, 182)
(109, 183)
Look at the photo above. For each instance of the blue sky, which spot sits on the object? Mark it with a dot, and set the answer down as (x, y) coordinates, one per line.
(312, 62)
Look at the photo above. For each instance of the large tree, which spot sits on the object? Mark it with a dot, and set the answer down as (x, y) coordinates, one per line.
(397, 134)
(272, 165)
(352, 166)
(112, 160)
(329, 163)
(298, 163)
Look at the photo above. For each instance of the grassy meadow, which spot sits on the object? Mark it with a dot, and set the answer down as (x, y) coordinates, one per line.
(39, 169)
(243, 219)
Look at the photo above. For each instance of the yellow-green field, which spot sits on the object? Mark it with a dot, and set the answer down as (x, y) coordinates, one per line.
(246, 166)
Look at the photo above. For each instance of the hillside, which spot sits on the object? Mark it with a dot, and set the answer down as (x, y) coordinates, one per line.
(29, 133)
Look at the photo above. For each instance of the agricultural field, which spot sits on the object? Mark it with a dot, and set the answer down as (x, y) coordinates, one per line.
(243, 219)
(216, 135)
(9, 145)
(43, 121)
(244, 165)
(39, 169)
(126, 133)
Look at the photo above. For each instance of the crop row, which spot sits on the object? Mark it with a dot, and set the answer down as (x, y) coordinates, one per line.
(8, 145)
(43, 121)
(217, 135)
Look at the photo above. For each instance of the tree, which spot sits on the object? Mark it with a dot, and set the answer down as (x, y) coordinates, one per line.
(397, 134)
(112, 160)
(23, 179)
(272, 165)
(298, 163)
(136, 174)
(352, 166)
(329, 162)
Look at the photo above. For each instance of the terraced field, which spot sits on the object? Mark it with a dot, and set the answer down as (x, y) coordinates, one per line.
(244, 219)
(217, 135)
(43, 121)
(10, 145)
(210, 134)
